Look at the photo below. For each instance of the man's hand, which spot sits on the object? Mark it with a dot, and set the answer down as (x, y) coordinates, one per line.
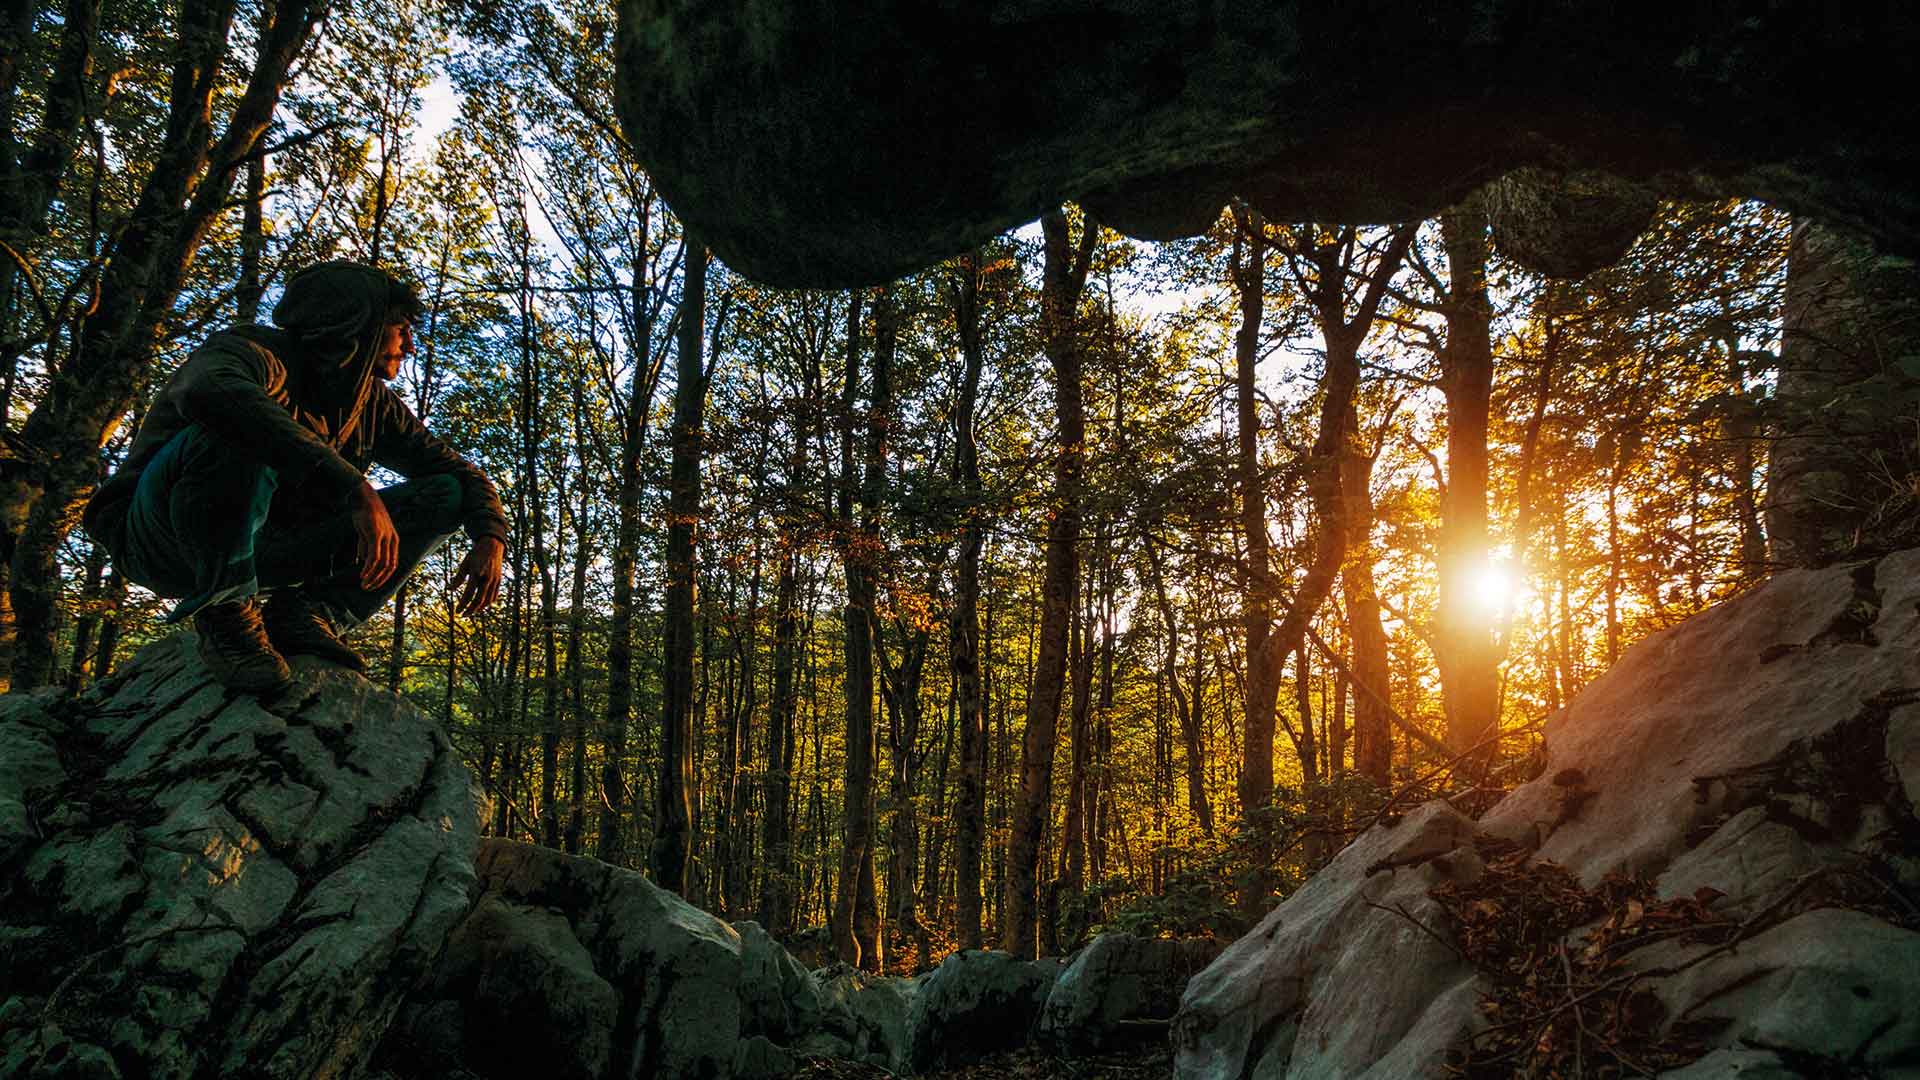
(478, 579)
(378, 548)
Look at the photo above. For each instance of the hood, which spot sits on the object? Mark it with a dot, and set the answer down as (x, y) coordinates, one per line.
(334, 312)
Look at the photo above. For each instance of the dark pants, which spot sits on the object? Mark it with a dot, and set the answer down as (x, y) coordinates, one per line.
(209, 524)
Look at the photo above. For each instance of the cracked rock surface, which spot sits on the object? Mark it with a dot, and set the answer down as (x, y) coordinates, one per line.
(1764, 750)
(570, 968)
(200, 883)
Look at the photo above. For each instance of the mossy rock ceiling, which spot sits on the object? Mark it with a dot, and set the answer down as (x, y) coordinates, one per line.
(849, 141)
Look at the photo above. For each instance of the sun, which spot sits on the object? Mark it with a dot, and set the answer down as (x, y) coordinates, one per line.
(1493, 588)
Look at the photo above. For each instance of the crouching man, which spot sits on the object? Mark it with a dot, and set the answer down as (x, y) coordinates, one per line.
(247, 479)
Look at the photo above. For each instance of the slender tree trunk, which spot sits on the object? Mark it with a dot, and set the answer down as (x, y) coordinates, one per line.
(1071, 877)
(902, 688)
(776, 880)
(1064, 279)
(1743, 432)
(1184, 712)
(856, 915)
(736, 865)
(83, 628)
(673, 797)
(1248, 271)
(253, 241)
(970, 801)
(611, 843)
(576, 628)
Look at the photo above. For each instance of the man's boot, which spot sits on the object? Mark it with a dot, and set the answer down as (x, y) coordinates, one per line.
(235, 648)
(299, 627)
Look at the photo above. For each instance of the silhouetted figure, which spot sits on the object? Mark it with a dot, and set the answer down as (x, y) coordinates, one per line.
(248, 479)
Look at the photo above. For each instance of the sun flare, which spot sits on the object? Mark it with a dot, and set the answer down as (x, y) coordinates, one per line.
(1494, 588)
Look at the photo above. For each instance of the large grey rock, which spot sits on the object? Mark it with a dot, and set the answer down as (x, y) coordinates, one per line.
(853, 141)
(1736, 1065)
(216, 884)
(863, 1017)
(28, 763)
(976, 1003)
(1116, 985)
(1829, 984)
(569, 967)
(1699, 722)
(1758, 750)
(1903, 750)
(1334, 978)
(778, 995)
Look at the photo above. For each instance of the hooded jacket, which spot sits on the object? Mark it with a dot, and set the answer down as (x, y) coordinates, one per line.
(301, 397)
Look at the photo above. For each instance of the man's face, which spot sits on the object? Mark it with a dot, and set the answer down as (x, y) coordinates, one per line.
(396, 342)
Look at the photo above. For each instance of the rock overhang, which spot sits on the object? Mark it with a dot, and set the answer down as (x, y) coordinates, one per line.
(852, 141)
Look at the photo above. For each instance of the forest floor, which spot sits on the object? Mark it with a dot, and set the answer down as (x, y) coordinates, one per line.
(1149, 1063)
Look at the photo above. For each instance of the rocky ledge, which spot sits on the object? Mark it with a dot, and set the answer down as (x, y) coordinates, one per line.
(202, 883)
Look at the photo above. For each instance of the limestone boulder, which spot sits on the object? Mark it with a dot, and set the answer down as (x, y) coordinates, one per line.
(1121, 989)
(1834, 985)
(1754, 761)
(864, 1018)
(197, 883)
(569, 967)
(1779, 699)
(976, 1003)
(1333, 981)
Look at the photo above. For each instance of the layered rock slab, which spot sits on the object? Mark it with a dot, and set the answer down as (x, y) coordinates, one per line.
(195, 882)
(1761, 750)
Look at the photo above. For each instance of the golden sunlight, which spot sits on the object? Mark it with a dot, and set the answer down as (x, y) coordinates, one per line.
(1495, 589)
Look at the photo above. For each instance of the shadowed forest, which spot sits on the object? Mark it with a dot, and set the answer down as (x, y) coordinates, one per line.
(1076, 583)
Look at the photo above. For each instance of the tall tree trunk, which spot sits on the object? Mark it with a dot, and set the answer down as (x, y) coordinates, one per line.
(1071, 876)
(673, 796)
(1468, 655)
(576, 624)
(532, 435)
(776, 881)
(1248, 272)
(1372, 668)
(902, 684)
(611, 844)
(735, 867)
(1743, 432)
(1333, 262)
(1064, 278)
(856, 918)
(970, 800)
(253, 241)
